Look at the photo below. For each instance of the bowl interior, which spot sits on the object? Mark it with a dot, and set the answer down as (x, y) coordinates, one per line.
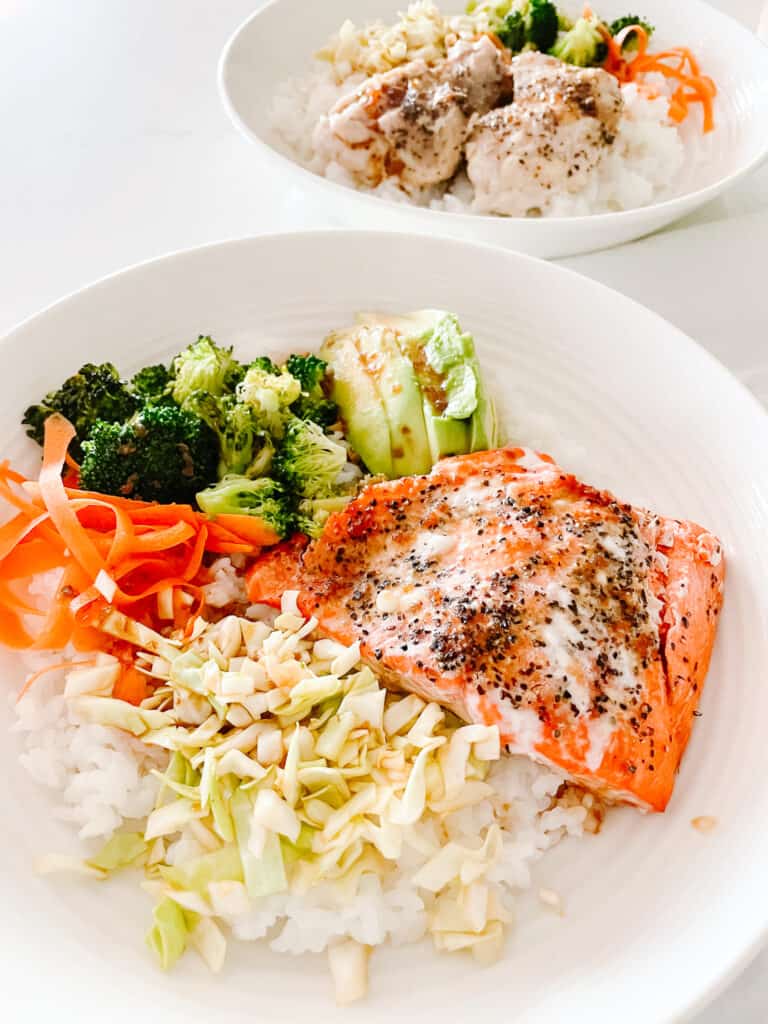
(277, 43)
(657, 914)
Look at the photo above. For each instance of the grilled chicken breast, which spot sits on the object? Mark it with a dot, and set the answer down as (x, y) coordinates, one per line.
(410, 123)
(506, 589)
(550, 139)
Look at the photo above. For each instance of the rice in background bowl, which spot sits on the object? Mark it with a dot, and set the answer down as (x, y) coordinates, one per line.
(643, 166)
(278, 40)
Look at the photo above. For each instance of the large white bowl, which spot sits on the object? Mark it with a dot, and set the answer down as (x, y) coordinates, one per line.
(277, 43)
(658, 916)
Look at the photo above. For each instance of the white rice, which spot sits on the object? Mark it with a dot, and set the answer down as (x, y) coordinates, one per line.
(642, 166)
(394, 910)
(100, 781)
(99, 775)
(99, 778)
(227, 586)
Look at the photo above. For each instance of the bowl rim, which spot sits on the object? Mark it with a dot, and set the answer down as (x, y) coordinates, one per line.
(666, 207)
(758, 939)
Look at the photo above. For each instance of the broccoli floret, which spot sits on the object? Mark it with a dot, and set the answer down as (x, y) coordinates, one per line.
(512, 31)
(308, 461)
(151, 384)
(93, 393)
(532, 24)
(271, 396)
(308, 370)
(582, 45)
(630, 43)
(205, 366)
(542, 24)
(264, 363)
(239, 495)
(312, 404)
(244, 448)
(314, 513)
(163, 453)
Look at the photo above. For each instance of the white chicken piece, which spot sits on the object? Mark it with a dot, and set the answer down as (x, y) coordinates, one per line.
(480, 70)
(549, 140)
(411, 123)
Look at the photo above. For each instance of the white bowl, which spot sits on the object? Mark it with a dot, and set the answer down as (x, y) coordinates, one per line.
(658, 916)
(278, 41)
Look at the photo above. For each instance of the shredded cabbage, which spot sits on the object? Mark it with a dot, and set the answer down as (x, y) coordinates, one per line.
(289, 766)
(168, 938)
(421, 33)
(123, 849)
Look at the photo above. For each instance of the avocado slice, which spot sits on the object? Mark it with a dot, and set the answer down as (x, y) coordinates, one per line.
(393, 376)
(459, 415)
(446, 437)
(359, 402)
(483, 427)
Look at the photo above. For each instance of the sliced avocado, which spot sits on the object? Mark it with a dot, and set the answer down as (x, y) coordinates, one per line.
(358, 400)
(394, 378)
(446, 367)
(446, 437)
(483, 427)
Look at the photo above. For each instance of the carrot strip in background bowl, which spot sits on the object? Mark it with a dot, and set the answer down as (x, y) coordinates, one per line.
(678, 63)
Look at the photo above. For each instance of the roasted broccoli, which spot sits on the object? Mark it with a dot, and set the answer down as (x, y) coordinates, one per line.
(308, 370)
(93, 393)
(630, 43)
(244, 448)
(582, 45)
(308, 461)
(204, 366)
(163, 453)
(239, 495)
(313, 404)
(152, 384)
(271, 395)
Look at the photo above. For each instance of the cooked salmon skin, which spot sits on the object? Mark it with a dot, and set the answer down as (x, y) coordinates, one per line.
(504, 588)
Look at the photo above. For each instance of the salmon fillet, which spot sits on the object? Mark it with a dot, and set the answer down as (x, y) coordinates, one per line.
(510, 592)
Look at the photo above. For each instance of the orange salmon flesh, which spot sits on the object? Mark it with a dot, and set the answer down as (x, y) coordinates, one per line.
(508, 591)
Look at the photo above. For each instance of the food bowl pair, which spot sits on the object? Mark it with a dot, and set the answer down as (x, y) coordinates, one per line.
(658, 915)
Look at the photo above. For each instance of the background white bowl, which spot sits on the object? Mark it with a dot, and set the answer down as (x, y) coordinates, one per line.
(278, 41)
(657, 915)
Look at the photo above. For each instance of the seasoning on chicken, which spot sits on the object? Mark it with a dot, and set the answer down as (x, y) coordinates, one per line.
(549, 140)
(411, 123)
(504, 588)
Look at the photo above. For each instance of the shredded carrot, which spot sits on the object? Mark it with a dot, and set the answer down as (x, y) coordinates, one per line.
(678, 64)
(34, 557)
(12, 632)
(10, 599)
(249, 528)
(58, 433)
(132, 686)
(51, 668)
(111, 550)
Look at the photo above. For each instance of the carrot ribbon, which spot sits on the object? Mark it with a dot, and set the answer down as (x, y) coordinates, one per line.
(111, 550)
(678, 64)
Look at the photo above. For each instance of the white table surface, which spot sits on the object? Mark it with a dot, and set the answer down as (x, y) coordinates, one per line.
(115, 149)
